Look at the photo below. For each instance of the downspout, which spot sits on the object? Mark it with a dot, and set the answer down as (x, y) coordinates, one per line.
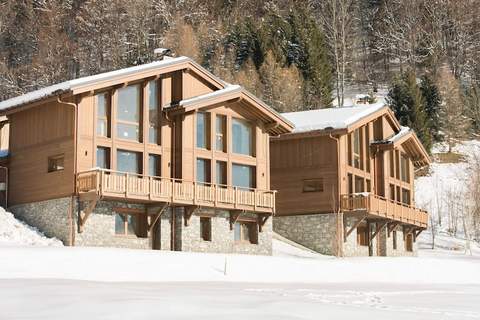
(172, 175)
(340, 223)
(75, 146)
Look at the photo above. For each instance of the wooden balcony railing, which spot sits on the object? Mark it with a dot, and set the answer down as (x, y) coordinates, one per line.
(130, 186)
(382, 207)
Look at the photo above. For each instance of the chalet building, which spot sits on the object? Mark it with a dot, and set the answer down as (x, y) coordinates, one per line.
(158, 156)
(345, 181)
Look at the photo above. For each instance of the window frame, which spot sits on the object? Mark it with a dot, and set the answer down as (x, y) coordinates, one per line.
(318, 185)
(249, 125)
(207, 167)
(206, 228)
(252, 232)
(253, 172)
(139, 156)
(156, 124)
(222, 134)
(362, 235)
(108, 114)
(206, 130)
(126, 224)
(138, 124)
(51, 163)
(108, 155)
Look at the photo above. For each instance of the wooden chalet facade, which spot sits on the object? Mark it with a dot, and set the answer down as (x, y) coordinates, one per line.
(163, 155)
(345, 178)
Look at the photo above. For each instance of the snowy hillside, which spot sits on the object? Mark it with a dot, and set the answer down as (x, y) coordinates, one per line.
(15, 232)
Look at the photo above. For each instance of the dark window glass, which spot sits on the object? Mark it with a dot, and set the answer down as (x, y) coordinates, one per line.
(154, 165)
(202, 130)
(129, 161)
(243, 176)
(221, 172)
(153, 114)
(220, 126)
(203, 170)
(103, 158)
(206, 228)
(242, 137)
(103, 114)
(56, 163)
(313, 185)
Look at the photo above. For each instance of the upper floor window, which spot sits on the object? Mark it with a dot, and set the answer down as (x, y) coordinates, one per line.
(203, 170)
(103, 114)
(129, 161)
(313, 185)
(128, 113)
(221, 172)
(243, 176)
(357, 149)
(242, 137)
(202, 130)
(153, 114)
(154, 165)
(220, 133)
(103, 158)
(405, 168)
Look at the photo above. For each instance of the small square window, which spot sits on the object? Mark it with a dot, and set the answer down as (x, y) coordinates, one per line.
(246, 232)
(56, 163)
(313, 185)
(206, 228)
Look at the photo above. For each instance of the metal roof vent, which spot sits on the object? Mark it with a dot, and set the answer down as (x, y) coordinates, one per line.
(162, 53)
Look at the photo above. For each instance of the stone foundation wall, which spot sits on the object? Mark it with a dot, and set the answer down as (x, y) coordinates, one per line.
(351, 248)
(52, 217)
(400, 251)
(99, 229)
(188, 238)
(315, 231)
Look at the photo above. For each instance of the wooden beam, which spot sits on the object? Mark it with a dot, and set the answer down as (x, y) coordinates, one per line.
(83, 218)
(378, 230)
(405, 233)
(234, 215)
(391, 227)
(262, 219)
(155, 217)
(188, 213)
(360, 220)
(416, 234)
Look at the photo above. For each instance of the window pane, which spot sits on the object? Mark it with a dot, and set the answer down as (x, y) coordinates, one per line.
(128, 161)
(242, 137)
(103, 158)
(128, 131)
(154, 165)
(103, 114)
(131, 224)
(220, 133)
(119, 224)
(243, 176)
(202, 136)
(203, 170)
(129, 104)
(245, 232)
(221, 172)
(153, 111)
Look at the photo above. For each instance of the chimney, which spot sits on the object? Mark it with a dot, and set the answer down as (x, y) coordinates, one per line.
(162, 53)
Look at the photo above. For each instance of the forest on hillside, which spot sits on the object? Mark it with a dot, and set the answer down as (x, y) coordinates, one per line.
(295, 55)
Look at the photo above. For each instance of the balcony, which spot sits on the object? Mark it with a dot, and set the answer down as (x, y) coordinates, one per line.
(384, 208)
(177, 192)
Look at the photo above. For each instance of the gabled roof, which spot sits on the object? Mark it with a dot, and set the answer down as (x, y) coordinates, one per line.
(276, 123)
(344, 118)
(105, 79)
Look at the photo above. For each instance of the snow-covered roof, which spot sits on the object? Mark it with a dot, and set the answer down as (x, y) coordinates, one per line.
(400, 134)
(80, 82)
(210, 96)
(332, 118)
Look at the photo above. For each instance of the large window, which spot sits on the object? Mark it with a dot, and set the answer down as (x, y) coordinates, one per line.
(221, 172)
(125, 224)
(202, 130)
(220, 133)
(243, 176)
(203, 170)
(153, 114)
(405, 168)
(357, 163)
(103, 114)
(242, 137)
(128, 113)
(405, 196)
(246, 232)
(103, 158)
(129, 161)
(154, 165)
(359, 184)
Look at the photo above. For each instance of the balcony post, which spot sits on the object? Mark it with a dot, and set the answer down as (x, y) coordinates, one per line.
(255, 199)
(126, 184)
(215, 195)
(150, 185)
(235, 197)
(173, 189)
(194, 192)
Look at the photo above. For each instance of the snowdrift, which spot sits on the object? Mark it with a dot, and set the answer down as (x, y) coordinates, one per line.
(14, 232)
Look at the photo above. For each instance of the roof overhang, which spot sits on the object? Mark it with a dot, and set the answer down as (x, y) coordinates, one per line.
(275, 124)
(410, 143)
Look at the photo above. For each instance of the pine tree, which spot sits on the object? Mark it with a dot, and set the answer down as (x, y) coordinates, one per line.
(406, 100)
(433, 100)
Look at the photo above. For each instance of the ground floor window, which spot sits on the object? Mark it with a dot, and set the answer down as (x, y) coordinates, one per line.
(362, 236)
(246, 232)
(394, 235)
(206, 228)
(409, 242)
(125, 224)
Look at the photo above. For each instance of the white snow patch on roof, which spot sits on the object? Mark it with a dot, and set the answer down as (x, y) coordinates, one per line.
(211, 95)
(335, 118)
(403, 131)
(72, 84)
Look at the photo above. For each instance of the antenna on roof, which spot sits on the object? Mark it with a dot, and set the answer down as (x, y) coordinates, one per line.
(162, 53)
